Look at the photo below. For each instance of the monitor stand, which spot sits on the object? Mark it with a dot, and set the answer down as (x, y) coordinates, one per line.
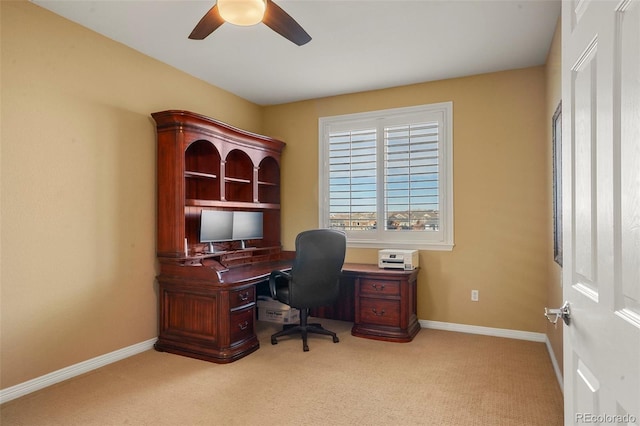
(243, 245)
(211, 249)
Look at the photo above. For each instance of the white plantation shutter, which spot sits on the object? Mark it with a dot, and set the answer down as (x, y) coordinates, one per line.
(411, 190)
(353, 179)
(388, 171)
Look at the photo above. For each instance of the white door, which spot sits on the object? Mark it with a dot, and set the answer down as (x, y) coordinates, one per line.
(601, 210)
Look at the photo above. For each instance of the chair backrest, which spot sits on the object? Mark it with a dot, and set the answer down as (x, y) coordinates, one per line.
(315, 272)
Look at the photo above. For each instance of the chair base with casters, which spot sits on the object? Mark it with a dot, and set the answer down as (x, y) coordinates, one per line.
(304, 328)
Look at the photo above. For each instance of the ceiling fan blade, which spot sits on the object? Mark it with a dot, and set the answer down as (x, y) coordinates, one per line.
(207, 24)
(280, 21)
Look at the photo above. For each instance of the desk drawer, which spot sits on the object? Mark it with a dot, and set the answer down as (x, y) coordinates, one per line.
(242, 297)
(241, 324)
(379, 287)
(380, 312)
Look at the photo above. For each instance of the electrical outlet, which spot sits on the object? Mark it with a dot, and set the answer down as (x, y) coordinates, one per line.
(474, 295)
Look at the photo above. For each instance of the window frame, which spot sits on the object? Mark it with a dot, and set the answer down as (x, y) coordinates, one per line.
(380, 237)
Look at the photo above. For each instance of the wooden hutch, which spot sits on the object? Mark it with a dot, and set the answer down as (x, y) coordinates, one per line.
(206, 301)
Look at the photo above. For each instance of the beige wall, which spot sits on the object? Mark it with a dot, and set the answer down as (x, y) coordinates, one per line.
(77, 182)
(500, 195)
(554, 95)
(78, 188)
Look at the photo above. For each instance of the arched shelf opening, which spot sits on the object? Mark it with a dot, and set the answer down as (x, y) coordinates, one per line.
(238, 177)
(269, 181)
(202, 171)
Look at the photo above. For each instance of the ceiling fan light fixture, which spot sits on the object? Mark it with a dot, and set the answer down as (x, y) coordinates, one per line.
(242, 12)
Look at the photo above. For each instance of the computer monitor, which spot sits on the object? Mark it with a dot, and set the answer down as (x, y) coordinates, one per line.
(215, 226)
(247, 226)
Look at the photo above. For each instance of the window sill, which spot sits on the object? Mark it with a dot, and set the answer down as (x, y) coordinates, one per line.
(401, 245)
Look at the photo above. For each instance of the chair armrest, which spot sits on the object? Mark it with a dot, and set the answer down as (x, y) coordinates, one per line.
(273, 278)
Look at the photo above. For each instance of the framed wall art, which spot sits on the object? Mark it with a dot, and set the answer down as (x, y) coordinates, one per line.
(556, 124)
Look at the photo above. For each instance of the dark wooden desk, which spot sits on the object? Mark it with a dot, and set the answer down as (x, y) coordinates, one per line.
(209, 313)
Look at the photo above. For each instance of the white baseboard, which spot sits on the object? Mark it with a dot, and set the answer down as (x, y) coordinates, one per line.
(499, 332)
(556, 367)
(72, 371)
(487, 331)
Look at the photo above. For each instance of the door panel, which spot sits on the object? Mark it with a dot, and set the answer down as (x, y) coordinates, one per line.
(627, 73)
(587, 388)
(585, 122)
(601, 215)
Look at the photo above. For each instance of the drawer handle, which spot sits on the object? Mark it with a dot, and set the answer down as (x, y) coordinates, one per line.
(375, 312)
(243, 325)
(244, 296)
(380, 288)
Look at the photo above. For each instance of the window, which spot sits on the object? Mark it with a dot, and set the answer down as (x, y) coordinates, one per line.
(386, 177)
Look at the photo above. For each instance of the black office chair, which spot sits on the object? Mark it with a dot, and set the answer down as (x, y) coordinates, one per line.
(313, 280)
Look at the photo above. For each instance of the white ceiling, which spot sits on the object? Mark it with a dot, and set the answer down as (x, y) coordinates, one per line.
(357, 45)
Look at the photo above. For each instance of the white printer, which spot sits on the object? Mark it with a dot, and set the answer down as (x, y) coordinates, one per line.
(398, 259)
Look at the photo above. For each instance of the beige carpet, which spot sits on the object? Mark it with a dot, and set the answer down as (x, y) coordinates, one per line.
(441, 378)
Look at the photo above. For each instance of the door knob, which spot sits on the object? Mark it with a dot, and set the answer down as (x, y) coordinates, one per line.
(553, 314)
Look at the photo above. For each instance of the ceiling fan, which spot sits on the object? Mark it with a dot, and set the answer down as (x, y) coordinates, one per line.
(250, 12)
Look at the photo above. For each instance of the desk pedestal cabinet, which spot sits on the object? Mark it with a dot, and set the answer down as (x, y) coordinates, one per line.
(202, 317)
(385, 302)
(210, 315)
(205, 321)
